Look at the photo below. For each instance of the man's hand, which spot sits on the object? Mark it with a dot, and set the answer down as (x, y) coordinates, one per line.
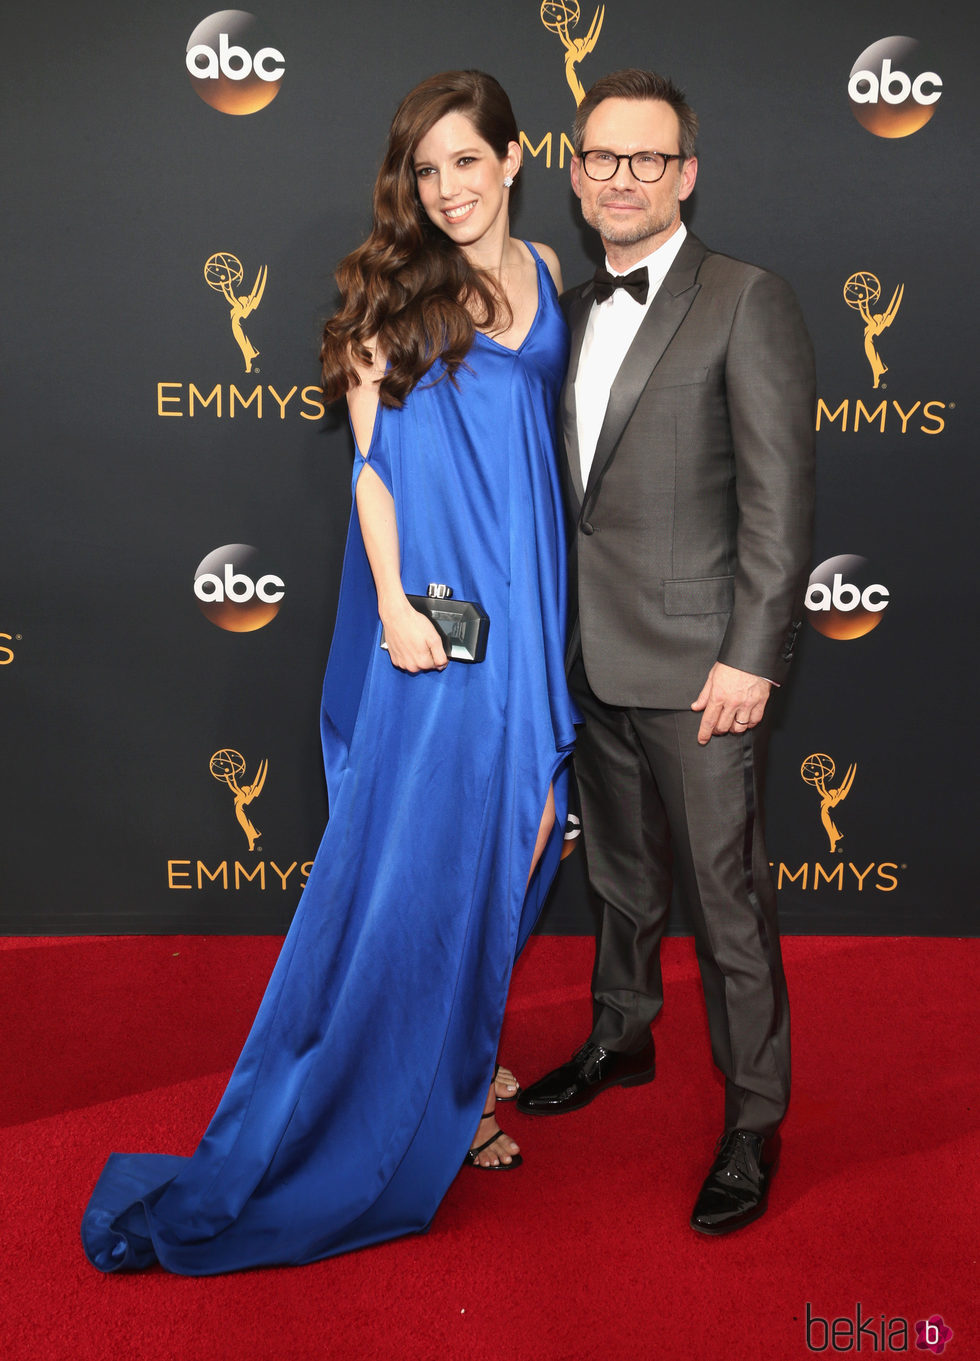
(731, 701)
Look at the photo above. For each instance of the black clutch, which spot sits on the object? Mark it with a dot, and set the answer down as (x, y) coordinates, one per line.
(463, 623)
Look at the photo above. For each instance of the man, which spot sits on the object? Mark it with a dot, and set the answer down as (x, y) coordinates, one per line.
(688, 415)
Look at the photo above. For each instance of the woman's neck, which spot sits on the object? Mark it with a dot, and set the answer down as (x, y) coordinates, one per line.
(493, 252)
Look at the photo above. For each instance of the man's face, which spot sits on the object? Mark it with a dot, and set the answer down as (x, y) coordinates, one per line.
(633, 218)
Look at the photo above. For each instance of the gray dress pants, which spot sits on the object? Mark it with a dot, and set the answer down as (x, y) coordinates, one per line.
(655, 804)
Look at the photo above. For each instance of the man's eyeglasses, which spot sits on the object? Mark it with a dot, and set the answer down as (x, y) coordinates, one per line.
(645, 166)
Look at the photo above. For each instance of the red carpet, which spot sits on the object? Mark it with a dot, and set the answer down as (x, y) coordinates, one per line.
(584, 1254)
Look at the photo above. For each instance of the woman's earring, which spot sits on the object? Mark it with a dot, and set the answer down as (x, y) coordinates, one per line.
(508, 181)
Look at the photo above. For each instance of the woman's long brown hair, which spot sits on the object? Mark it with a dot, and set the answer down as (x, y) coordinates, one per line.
(409, 288)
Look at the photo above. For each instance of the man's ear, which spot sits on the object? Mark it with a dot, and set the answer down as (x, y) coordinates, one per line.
(575, 170)
(689, 174)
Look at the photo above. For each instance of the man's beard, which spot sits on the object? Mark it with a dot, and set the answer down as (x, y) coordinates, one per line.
(623, 234)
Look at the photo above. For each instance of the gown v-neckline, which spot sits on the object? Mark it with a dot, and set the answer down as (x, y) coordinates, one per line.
(516, 349)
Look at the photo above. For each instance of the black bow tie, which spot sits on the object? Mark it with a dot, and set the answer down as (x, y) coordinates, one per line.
(637, 283)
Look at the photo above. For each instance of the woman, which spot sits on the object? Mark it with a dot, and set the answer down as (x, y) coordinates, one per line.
(362, 1087)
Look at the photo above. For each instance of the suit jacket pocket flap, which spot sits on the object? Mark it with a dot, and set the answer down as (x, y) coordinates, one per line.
(667, 375)
(699, 595)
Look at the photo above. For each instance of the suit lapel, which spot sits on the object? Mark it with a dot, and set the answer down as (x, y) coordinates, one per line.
(577, 314)
(664, 316)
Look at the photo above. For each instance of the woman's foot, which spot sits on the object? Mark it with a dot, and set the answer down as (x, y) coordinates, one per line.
(492, 1149)
(505, 1084)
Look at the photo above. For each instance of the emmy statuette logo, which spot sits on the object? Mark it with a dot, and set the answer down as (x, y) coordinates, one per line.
(562, 17)
(558, 16)
(280, 400)
(886, 413)
(817, 770)
(251, 873)
(836, 874)
(224, 273)
(226, 766)
(861, 292)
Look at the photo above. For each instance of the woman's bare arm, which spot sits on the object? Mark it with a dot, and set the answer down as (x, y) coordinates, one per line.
(414, 643)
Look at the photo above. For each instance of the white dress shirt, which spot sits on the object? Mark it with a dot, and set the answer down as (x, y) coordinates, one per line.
(609, 332)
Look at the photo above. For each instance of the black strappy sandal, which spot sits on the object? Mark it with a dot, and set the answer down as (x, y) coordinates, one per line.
(517, 1087)
(470, 1159)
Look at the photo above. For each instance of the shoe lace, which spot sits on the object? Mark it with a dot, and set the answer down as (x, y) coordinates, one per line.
(737, 1150)
(589, 1055)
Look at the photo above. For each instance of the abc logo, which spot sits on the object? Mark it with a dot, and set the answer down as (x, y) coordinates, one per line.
(231, 63)
(843, 599)
(232, 592)
(890, 94)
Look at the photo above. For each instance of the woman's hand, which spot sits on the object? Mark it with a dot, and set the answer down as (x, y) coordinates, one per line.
(414, 642)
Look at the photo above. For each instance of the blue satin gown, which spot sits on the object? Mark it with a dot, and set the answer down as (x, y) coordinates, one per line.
(362, 1082)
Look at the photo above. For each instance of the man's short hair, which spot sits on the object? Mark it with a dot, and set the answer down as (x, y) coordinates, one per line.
(635, 84)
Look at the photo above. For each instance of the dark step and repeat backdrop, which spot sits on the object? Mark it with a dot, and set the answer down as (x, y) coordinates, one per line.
(179, 186)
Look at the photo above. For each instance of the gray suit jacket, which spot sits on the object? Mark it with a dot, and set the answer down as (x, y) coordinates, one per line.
(692, 538)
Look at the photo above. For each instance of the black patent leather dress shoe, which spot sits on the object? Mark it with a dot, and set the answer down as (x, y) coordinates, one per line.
(735, 1190)
(588, 1073)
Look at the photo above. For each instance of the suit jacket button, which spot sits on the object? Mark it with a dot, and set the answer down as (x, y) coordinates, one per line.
(587, 527)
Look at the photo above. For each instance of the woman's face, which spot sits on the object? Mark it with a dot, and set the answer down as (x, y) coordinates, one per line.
(461, 179)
